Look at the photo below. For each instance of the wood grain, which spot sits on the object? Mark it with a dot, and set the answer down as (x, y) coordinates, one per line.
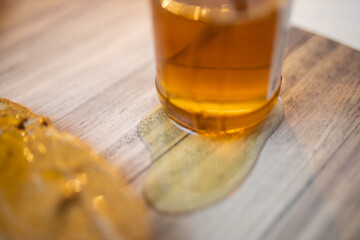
(88, 65)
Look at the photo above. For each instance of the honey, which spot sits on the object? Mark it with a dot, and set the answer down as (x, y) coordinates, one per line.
(218, 62)
(53, 186)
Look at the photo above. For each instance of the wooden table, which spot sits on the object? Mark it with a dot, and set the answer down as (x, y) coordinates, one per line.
(88, 65)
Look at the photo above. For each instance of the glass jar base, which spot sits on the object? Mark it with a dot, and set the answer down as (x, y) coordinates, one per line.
(219, 123)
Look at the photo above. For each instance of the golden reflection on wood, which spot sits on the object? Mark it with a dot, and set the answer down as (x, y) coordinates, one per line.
(193, 171)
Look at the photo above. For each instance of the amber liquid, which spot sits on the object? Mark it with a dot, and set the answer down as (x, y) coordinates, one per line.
(214, 62)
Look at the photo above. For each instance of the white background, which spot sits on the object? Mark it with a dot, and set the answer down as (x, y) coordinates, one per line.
(335, 19)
